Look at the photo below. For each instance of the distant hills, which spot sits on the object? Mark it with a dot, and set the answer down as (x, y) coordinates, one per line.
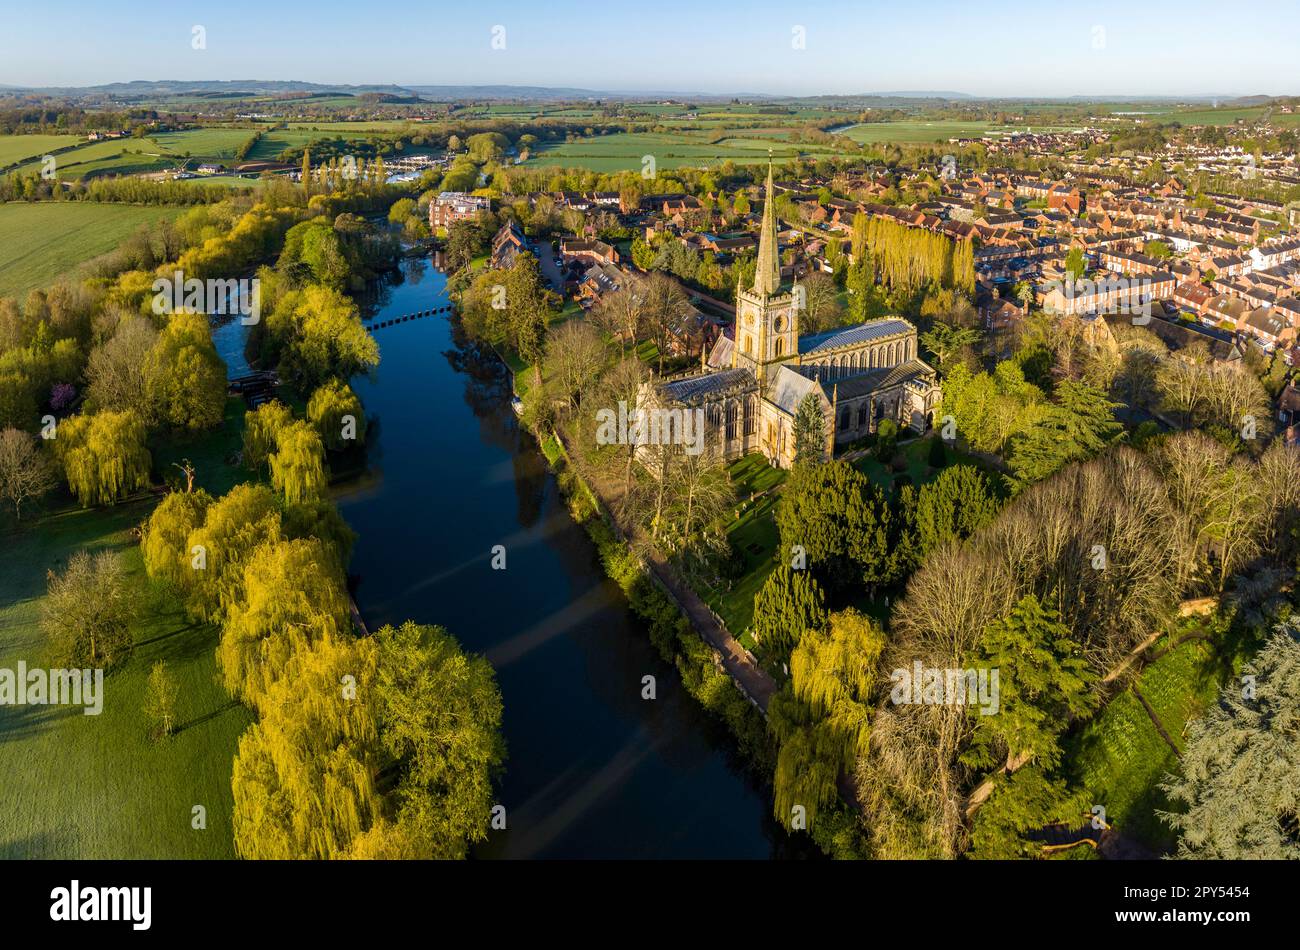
(392, 92)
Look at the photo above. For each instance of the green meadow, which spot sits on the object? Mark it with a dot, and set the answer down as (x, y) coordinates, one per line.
(79, 786)
(43, 241)
(625, 151)
(17, 148)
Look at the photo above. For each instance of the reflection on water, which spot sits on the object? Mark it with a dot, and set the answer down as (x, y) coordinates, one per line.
(592, 770)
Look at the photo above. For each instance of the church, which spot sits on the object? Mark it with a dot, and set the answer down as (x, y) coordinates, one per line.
(761, 369)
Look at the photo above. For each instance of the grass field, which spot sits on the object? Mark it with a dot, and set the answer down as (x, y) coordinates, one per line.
(16, 148)
(625, 151)
(755, 536)
(1120, 757)
(79, 786)
(202, 144)
(1225, 116)
(930, 130)
(43, 241)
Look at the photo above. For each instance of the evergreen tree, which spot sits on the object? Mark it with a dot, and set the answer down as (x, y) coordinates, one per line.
(1237, 793)
(809, 431)
(1043, 683)
(789, 604)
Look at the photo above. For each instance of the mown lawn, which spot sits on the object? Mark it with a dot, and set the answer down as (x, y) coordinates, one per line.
(755, 536)
(43, 241)
(78, 786)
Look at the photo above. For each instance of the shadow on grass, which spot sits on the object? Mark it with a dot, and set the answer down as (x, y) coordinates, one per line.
(206, 717)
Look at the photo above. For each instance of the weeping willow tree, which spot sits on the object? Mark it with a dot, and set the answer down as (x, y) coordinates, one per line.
(293, 595)
(261, 427)
(298, 464)
(163, 543)
(234, 526)
(823, 722)
(336, 412)
(103, 456)
(304, 778)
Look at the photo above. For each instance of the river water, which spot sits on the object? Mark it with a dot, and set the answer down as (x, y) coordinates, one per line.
(593, 770)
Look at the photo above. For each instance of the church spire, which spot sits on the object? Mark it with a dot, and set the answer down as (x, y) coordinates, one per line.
(767, 272)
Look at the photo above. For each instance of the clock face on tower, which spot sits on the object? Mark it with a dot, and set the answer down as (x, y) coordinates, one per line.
(749, 318)
(779, 324)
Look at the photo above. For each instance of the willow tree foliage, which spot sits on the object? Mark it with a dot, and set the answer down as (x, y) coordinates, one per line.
(823, 722)
(166, 533)
(439, 713)
(298, 463)
(261, 429)
(234, 526)
(293, 595)
(103, 456)
(336, 412)
(305, 775)
(185, 379)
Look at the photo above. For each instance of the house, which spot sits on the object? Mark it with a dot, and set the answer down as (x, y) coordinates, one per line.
(591, 251)
(452, 206)
(1268, 328)
(1195, 296)
(601, 279)
(507, 245)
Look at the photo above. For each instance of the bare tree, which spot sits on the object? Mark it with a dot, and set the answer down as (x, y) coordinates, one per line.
(115, 371)
(25, 473)
(622, 314)
(666, 308)
(575, 356)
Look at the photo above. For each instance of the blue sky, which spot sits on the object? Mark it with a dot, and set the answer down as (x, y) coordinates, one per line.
(983, 47)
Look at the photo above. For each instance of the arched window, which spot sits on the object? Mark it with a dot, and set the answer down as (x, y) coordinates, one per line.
(748, 348)
(844, 418)
(779, 347)
(751, 417)
(874, 364)
(731, 421)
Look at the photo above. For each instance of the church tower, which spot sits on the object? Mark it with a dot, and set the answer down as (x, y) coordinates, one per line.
(767, 324)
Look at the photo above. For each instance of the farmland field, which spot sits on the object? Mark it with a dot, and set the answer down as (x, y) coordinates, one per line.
(204, 144)
(930, 130)
(624, 151)
(43, 241)
(16, 148)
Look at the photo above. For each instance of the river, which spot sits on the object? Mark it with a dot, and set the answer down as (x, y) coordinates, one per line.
(592, 770)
